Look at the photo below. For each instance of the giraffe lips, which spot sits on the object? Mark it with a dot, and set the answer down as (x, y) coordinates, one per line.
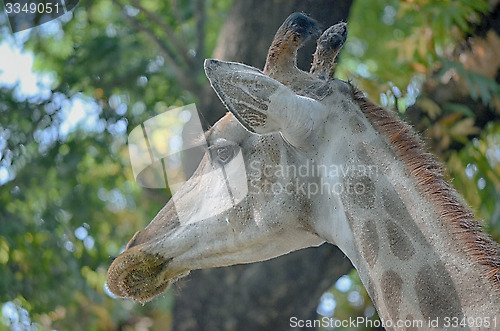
(141, 275)
(141, 272)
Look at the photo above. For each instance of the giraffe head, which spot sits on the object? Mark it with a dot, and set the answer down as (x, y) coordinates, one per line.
(278, 135)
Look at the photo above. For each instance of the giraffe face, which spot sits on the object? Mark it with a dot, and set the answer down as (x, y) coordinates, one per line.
(277, 213)
(273, 218)
(273, 130)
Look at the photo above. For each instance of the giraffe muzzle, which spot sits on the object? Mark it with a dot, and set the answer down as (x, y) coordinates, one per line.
(141, 275)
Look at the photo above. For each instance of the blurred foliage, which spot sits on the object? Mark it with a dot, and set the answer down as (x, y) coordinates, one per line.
(475, 170)
(409, 37)
(70, 207)
(479, 86)
(351, 301)
(70, 202)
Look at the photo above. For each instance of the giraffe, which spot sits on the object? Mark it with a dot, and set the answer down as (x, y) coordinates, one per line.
(348, 172)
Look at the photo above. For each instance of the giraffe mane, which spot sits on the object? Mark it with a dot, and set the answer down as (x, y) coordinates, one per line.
(429, 175)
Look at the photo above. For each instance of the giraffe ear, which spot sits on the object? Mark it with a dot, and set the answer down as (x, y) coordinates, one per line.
(260, 103)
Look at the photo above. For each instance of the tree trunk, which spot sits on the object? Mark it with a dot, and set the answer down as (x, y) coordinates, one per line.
(260, 296)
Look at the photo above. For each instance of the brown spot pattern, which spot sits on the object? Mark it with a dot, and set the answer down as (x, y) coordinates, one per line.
(399, 242)
(397, 210)
(392, 285)
(370, 243)
(360, 190)
(436, 293)
(363, 155)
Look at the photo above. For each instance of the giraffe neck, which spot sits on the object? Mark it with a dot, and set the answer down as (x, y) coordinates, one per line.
(414, 260)
(414, 268)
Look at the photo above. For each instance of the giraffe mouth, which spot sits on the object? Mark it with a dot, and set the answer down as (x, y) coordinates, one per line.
(141, 275)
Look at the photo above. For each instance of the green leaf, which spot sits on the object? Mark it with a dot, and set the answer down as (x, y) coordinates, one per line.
(459, 108)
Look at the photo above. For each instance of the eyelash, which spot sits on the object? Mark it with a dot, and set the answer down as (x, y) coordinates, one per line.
(201, 138)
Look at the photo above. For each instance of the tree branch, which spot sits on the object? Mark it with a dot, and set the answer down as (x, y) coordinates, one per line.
(183, 51)
(200, 16)
(184, 78)
(178, 16)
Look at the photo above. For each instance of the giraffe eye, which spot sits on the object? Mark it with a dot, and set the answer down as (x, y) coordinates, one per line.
(224, 154)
